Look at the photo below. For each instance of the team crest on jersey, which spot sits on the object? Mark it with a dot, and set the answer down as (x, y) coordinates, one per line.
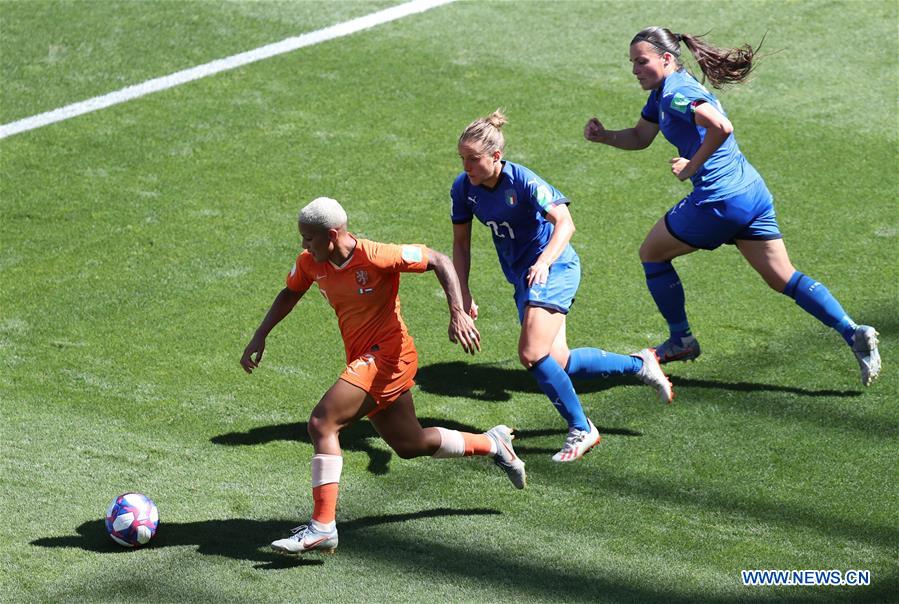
(511, 200)
(362, 276)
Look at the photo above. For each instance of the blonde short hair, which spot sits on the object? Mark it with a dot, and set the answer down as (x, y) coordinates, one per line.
(323, 213)
(487, 131)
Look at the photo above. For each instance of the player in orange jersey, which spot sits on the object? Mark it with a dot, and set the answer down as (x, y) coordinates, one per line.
(360, 279)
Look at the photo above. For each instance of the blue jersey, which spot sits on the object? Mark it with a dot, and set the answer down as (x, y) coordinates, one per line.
(514, 209)
(671, 106)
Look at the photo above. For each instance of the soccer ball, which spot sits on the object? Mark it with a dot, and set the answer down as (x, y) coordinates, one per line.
(132, 519)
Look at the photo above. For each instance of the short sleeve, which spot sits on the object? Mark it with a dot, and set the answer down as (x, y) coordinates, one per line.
(650, 111)
(405, 258)
(298, 280)
(681, 104)
(460, 210)
(542, 195)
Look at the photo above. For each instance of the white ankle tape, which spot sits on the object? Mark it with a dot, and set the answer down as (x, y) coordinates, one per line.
(326, 469)
(451, 444)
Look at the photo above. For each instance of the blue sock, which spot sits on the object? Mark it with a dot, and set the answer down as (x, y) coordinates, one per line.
(556, 384)
(588, 363)
(817, 300)
(666, 289)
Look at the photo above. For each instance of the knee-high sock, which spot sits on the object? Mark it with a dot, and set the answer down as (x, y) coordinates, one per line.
(666, 289)
(556, 384)
(589, 363)
(817, 300)
(325, 484)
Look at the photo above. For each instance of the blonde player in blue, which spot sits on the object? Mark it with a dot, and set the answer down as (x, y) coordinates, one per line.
(531, 228)
(729, 202)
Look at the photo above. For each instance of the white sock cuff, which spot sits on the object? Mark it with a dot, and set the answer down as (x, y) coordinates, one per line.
(451, 444)
(326, 469)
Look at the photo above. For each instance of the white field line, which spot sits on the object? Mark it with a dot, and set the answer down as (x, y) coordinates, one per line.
(201, 71)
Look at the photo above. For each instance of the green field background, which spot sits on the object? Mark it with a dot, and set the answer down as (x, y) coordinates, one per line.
(140, 246)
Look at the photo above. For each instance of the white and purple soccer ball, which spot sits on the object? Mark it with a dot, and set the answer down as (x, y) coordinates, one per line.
(132, 519)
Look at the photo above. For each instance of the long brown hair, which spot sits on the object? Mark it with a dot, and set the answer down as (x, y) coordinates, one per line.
(721, 66)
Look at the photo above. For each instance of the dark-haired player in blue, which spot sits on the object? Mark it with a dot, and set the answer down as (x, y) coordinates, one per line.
(531, 229)
(729, 202)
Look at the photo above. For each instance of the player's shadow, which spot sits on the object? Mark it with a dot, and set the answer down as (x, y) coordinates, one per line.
(493, 383)
(359, 436)
(237, 538)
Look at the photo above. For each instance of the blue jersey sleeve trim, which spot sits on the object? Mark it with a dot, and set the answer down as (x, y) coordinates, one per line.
(562, 201)
(461, 220)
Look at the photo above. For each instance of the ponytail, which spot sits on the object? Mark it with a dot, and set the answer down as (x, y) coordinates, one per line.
(721, 66)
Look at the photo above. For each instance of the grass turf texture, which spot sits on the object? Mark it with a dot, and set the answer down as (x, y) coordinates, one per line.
(142, 244)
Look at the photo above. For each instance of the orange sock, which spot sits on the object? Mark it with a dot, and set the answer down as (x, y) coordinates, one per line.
(476, 444)
(324, 502)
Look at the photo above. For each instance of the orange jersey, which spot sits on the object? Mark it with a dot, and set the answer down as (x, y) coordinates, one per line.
(364, 294)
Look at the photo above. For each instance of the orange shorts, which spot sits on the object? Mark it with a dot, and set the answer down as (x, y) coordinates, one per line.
(385, 379)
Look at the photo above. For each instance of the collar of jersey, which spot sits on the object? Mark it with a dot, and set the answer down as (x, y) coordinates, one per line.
(349, 258)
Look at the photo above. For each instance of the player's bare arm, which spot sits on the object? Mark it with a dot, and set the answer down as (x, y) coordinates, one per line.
(462, 263)
(563, 229)
(461, 327)
(280, 308)
(629, 139)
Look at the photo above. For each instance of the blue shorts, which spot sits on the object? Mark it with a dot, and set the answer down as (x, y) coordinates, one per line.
(707, 224)
(558, 292)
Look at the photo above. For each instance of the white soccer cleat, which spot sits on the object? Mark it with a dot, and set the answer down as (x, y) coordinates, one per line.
(651, 374)
(505, 456)
(578, 443)
(306, 538)
(864, 345)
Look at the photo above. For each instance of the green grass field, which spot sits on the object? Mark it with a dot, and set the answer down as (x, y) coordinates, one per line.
(140, 246)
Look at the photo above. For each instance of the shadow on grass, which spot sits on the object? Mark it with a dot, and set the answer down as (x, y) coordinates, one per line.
(533, 578)
(496, 384)
(828, 414)
(490, 568)
(357, 438)
(238, 538)
(705, 497)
